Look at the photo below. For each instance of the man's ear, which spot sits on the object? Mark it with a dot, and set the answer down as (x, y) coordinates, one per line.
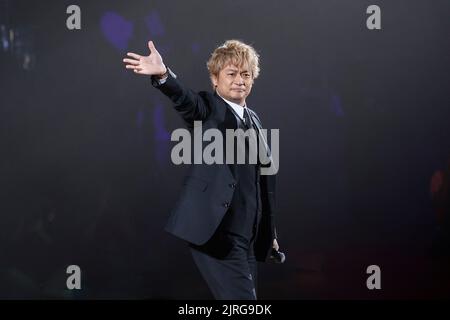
(214, 80)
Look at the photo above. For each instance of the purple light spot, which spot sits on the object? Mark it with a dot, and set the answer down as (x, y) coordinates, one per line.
(195, 47)
(161, 133)
(116, 29)
(336, 105)
(154, 24)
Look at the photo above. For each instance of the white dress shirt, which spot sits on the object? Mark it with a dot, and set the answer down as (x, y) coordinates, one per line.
(237, 108)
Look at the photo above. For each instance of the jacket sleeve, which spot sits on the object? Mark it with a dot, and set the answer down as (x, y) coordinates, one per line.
(189, 104)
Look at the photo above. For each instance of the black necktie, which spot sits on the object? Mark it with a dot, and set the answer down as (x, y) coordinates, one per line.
(247, 120)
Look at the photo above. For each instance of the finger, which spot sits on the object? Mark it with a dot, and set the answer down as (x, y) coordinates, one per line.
(134, 55)
(129, 66)
(151, 46)
(131, 61)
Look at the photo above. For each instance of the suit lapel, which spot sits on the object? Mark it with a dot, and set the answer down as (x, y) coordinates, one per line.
(261, 136)
(227, 120)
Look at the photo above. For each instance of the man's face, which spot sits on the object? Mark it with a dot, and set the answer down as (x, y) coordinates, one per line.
(233, 83)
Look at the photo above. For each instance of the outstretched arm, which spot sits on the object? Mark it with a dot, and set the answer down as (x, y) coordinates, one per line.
(188, 103)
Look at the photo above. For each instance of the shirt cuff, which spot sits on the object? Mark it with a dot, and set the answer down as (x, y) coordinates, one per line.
(163, 80)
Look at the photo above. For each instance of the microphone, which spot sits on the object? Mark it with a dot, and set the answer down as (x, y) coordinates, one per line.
(277, 256)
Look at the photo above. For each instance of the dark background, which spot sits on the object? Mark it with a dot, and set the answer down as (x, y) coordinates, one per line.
(85, 171)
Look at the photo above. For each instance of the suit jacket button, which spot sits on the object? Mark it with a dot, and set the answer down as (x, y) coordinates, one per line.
(226, 204)
(233, 185)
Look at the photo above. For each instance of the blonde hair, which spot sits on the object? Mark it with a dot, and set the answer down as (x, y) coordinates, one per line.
(237, 53)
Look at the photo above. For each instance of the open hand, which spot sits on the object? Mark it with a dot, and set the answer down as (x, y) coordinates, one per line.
(147, 65)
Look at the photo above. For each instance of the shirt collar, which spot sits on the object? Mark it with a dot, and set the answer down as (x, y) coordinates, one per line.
(237, 108)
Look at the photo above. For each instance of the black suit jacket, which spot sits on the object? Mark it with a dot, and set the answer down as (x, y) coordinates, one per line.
(208, 188)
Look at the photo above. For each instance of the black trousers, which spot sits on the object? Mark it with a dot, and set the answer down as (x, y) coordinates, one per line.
(228, 265)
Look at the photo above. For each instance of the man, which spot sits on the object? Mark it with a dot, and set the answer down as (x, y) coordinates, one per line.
(226, 211)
